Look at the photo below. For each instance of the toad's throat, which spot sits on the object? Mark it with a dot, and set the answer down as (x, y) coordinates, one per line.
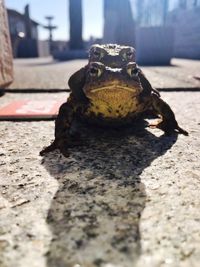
(113, 102)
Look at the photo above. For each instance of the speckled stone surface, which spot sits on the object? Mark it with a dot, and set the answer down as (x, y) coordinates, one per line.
(127, 198)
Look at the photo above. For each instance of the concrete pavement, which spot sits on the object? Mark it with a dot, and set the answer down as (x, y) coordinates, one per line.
(47, 74)
(124, 199)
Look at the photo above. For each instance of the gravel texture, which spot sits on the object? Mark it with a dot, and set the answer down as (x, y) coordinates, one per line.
(127, 198)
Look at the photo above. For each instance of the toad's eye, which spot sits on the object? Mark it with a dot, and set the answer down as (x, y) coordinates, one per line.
(133, 71)
(95, 72)
(97, 54)
(129, 54)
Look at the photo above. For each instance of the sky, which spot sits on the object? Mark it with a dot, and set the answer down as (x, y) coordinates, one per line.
(92, 22)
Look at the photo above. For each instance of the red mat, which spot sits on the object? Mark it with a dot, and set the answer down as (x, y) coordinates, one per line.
(30, 109)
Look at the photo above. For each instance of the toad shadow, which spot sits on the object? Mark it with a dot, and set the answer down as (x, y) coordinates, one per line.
(95, 214)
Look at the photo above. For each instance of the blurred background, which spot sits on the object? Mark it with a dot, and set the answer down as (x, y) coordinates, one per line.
(65, 29)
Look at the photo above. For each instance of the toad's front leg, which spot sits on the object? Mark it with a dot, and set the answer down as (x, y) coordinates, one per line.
(145, 83)
(168, 123)
(63, 123)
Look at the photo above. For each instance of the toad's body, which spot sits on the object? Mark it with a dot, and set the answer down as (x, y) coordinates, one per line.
(110, 97)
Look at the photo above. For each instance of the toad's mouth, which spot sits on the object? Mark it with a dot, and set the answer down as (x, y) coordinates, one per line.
(115, 87)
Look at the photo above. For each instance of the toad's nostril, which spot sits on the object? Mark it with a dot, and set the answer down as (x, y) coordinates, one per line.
(114, 64)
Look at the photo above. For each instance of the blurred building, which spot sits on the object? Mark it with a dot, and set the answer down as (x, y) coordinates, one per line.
(185, 19)
(75, 46)
(75, 18)
(24, 33)
(151, 13)
(119, 26)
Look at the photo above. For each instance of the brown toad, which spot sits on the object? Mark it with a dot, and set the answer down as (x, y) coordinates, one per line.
(110, 97)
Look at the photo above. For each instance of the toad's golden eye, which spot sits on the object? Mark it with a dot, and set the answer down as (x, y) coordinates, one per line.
(98, 54)
(132, 70)
(95, 72)
(129, 54)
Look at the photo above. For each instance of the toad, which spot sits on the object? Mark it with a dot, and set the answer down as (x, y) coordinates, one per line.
(109, 97)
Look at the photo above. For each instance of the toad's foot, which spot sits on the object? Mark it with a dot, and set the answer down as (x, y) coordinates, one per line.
(63, 145)
(154, 124)
(169, 127)
(48, 149)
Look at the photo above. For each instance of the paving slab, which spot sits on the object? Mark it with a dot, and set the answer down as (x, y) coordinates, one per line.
(182, 74)
(124, 199)
(44, 73)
